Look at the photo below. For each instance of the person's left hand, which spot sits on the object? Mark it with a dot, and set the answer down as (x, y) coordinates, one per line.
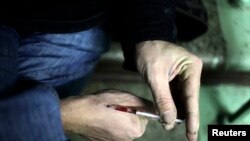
(89, 116)
(159, 62)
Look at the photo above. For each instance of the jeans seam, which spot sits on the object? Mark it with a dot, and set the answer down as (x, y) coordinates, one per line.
(48, 87)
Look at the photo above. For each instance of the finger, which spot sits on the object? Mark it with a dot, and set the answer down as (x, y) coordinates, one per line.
(159, 85)
(191, 82)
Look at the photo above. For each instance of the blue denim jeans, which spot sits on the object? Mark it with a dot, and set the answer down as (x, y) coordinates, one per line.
(33, 70)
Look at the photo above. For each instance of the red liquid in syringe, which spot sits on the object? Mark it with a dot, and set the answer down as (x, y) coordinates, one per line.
(122, 108)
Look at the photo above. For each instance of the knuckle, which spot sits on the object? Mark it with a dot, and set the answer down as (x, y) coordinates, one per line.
(163, 101)
(197, 61)
(92, 99)
(192, 114)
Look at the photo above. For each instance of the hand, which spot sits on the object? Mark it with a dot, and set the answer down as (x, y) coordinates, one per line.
(159, 62)
(90, 117)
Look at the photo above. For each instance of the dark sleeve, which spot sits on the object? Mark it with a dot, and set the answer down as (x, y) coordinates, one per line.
(143, 20)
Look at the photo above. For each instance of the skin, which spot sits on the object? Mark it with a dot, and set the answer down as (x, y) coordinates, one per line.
(90, 117)
(158, 62)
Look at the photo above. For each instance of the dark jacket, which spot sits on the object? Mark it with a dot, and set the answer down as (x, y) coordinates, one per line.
(132, 20)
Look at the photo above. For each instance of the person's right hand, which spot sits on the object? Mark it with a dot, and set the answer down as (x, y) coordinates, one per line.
(90, 117)
(160, 62)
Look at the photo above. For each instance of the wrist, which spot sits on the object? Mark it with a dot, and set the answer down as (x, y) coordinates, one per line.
(69, 115)
(146, 51)
(154, 43)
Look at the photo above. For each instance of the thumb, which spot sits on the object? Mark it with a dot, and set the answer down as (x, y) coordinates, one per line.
(163, 99)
